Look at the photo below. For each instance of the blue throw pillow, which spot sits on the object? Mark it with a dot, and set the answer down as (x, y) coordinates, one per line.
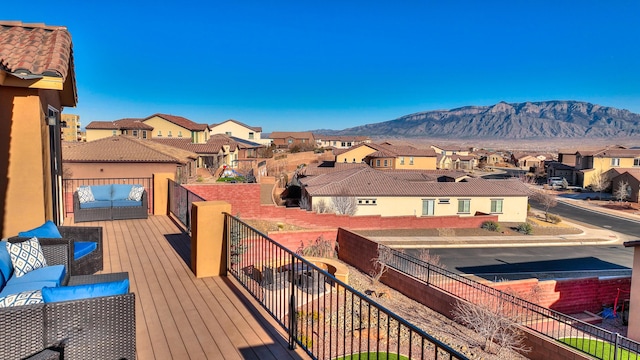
(76, 292)
(48, 230)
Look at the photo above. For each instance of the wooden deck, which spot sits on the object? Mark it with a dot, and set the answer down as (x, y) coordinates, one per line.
(179, 316)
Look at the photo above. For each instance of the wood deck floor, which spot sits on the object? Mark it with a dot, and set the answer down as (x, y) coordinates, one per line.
(179, 316)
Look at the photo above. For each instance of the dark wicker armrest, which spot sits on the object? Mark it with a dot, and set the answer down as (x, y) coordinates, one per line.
(23, 331)
(96, 328)
(92, 262)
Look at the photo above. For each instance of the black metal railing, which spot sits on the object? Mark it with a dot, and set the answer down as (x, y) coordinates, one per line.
(598, 342)
(180, 200)
(71, 185)
(322, 314)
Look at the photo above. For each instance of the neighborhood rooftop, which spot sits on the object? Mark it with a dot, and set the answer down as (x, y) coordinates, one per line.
(125, 149)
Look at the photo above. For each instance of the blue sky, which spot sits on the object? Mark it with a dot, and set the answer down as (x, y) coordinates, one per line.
(302, 65)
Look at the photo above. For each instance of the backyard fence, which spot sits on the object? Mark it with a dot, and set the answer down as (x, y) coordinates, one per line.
(598, 342)
(323, 315)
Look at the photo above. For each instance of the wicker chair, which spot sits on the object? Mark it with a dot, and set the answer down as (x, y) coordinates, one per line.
(110, 213)
(95, 328)
(86, 265)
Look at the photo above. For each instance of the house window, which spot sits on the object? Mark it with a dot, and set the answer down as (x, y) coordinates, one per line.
(428, 206)
(344, 144)
(169, 134)
(496, 206)
(290, 141)
(304, 140)
(385, 163)
(334, 143)
(124, 132)
(251, 136)
(464, 206)
(159, 133)
(180, 133)
(134, 133)
(377, 162)
(113, 133)
(349, 144)
(636, 162)
(345, 160)
(144, 134)
(615, 161)
(228, 133)
(367, 201)
(411, 160)
(354, 160)
(401, 160)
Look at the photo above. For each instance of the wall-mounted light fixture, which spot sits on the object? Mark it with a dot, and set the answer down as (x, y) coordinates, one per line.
(52, 120)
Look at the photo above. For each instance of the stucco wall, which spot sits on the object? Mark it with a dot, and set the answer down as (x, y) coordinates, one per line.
(116, 170)
(514, 208)
(419, 163)
(355, 155)
(25, 186)
(95, 134)
(164, 126)
(236, 130)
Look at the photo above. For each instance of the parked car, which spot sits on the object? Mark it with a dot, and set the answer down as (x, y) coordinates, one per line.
(556, 181)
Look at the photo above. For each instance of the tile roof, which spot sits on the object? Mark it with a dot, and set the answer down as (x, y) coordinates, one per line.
(341, 138)
(181, 121)
(371, 182)
(128, 124)
(292, 134)
(254, 128)
(35, 49)
(124, 149)
(213, 146)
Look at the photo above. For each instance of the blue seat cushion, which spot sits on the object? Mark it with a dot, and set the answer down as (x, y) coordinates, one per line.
(125, 203)
(120, 191)
(53, 273)
(46, 230)
(82, 248)
(101, 192)
(6, 266)
(18, 288)
(66, 293)
(98, 204)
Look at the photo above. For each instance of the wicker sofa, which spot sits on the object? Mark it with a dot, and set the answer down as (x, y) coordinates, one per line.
(71, 235)
(91, 328)
(111, 202)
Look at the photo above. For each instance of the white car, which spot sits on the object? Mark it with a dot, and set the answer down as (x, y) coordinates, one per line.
(556, 181)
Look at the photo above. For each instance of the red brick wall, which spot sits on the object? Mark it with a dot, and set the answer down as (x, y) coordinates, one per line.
(293, 239)
(358, 252)
(245, 201)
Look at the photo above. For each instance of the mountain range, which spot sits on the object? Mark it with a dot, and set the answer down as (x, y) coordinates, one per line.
(528, 120)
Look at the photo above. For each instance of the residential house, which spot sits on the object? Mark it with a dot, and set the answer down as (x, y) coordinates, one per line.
(454, 157)
(488, 158)
(219, 150)
(238, 130)
(381, 193)
(172, 126)
(71, 128)
(37, 80)
(558, 169)
(530, 162)
(449, 150)
(129, 127)
(340, 141)
(285, 140)
(126, 157)
(632, 178)
(388, 156)
(594, 166)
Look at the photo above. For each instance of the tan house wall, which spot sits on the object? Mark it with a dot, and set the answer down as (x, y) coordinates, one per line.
(603, 164)
(25, 184)
(116, 170)
(356, 155)
(236, 130)
(514, 208)
(162, 127)
(96, 134)
(419, 163)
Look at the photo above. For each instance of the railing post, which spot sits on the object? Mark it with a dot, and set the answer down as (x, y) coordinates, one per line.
(615, 347)
(293, 314)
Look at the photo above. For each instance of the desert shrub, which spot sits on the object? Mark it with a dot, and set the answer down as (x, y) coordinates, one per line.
(321, 207)
(491, 226)
(525, 228)
(554, 219)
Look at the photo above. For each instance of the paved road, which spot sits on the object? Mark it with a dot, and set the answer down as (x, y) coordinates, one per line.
(540, 262)
(592, 217)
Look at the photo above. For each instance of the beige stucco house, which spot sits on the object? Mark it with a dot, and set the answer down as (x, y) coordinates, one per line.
(589, 165)
(386, 156)
(381, 193)
(96, 130)
(340, 141)
(239, 130)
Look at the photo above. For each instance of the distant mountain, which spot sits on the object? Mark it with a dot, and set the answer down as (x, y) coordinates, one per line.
(529, 120)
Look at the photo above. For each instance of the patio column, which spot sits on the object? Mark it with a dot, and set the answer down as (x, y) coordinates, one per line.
(633, 330)
(161, 193)
(208, 255)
